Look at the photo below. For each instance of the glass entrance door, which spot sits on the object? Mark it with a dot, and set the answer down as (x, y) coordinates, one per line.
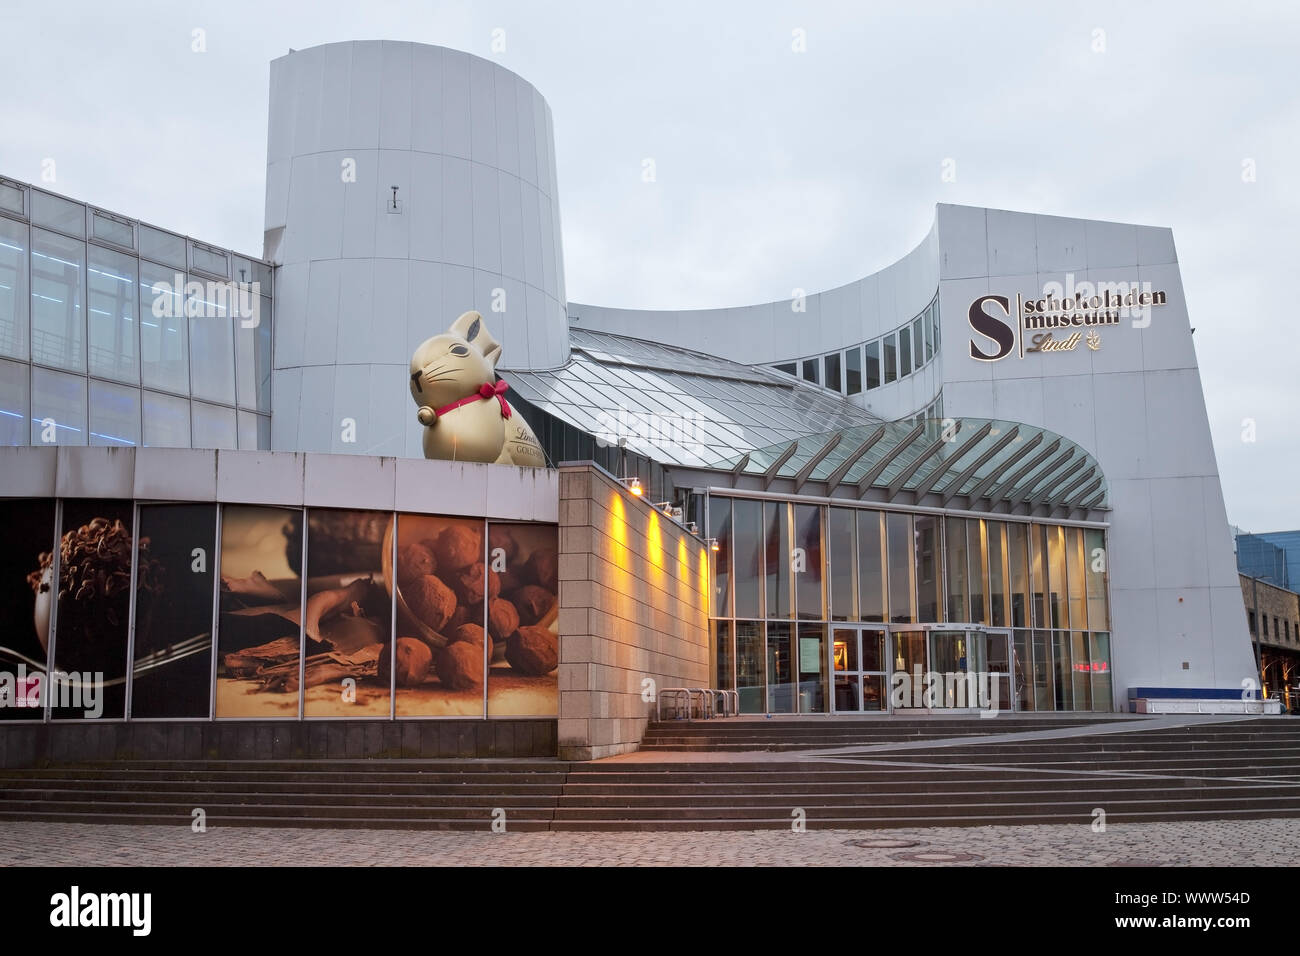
(859, 666)
(944, 667)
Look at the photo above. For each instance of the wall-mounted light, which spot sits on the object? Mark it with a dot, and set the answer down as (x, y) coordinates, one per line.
(633, 485)
(713, 545)
(693, 528)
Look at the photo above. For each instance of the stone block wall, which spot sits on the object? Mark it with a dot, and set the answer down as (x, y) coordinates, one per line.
(634, 587)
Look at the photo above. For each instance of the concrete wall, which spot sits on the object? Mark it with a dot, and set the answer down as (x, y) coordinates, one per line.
(634, 587)
(469, 146)
(501, 492)
(1136, 404)
(74, 741)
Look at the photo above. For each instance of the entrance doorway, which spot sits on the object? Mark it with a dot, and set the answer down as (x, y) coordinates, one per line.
(959, 667)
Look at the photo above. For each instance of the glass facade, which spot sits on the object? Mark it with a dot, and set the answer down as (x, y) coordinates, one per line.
(872, 592)
(116, 333)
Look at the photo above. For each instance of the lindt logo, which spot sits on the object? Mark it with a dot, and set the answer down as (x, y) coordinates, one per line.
(1066, 315)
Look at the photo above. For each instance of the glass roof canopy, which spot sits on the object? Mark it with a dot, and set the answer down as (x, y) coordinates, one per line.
(676, 406)
(976, 459)
(763, 429)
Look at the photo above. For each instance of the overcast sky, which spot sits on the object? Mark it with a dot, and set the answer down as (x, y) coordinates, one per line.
(775, 169)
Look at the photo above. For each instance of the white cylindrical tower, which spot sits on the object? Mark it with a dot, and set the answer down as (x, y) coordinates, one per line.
(405, 184)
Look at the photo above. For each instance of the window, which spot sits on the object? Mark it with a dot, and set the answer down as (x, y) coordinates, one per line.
(212, 350)
(13, 403)
(833, 371)
(112, 330)
(214, 426)
(210, 260)
(891, 358)
(11, 198)
(58, 321)
(164, 331)
(166, 421)
(929, 333)
(1264, 620)
(873, 365)
(811, 372)
(904, 352)
(853, 371)
(921, 359)
(58, 213)
(162, 247)
(790, 368)
(58, 408)
(112, 229)
(1250, 619)
(114, 415)
(14, 301)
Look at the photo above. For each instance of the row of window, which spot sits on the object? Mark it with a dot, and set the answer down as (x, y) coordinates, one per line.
(777, 560)
(777, 667)
(1283, 630)
(39, 406)
(77, 306)
(870, 365)
(80, 221)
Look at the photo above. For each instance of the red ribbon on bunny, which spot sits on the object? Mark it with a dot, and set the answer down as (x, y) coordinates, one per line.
(485, 392)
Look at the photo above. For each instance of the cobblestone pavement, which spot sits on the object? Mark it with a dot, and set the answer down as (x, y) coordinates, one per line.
(1217, 843)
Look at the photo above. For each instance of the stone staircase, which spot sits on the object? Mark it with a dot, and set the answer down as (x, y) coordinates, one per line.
(941, 772)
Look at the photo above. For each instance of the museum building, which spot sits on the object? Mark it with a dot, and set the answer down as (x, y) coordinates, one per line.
(991, 458)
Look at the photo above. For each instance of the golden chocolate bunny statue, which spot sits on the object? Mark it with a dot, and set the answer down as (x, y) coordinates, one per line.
(462, 404)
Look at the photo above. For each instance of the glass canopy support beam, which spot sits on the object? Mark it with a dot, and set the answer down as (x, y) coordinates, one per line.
(941, 469)
(954, 486)
(870, 477)
(802, 475)
(836, 476)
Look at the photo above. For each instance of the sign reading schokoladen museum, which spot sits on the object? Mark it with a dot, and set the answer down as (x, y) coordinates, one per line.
(1060, 320)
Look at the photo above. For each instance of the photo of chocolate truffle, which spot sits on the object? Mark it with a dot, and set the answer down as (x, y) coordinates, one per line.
(532, 602)
(431, 600)
(543, 569)
(458, 546)
(415, 560)
(502, 539)
(468, 583)
(533, 651)
(471, 634)
(460, 666)
(503, 619)
(413, 661)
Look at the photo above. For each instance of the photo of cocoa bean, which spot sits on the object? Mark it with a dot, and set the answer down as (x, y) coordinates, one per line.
(460, 666)
(533, 651)
(532, 602)
(431, 601)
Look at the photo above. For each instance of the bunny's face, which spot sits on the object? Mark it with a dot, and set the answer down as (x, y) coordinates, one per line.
(447, 368)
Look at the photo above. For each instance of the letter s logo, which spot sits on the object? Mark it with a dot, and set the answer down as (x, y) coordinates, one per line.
(990, 327)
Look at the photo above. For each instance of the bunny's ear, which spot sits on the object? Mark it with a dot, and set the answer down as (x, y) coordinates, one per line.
(470, 327)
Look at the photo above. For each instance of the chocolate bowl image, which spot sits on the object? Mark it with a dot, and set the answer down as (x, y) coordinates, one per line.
(94, 595)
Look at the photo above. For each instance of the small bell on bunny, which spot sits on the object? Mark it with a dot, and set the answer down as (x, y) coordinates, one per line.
(462, 404)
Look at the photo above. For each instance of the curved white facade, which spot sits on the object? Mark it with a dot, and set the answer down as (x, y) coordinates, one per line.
(470, 148)
(795, 328)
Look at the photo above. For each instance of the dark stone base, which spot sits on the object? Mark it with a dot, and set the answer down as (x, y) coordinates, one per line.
(35, 745)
